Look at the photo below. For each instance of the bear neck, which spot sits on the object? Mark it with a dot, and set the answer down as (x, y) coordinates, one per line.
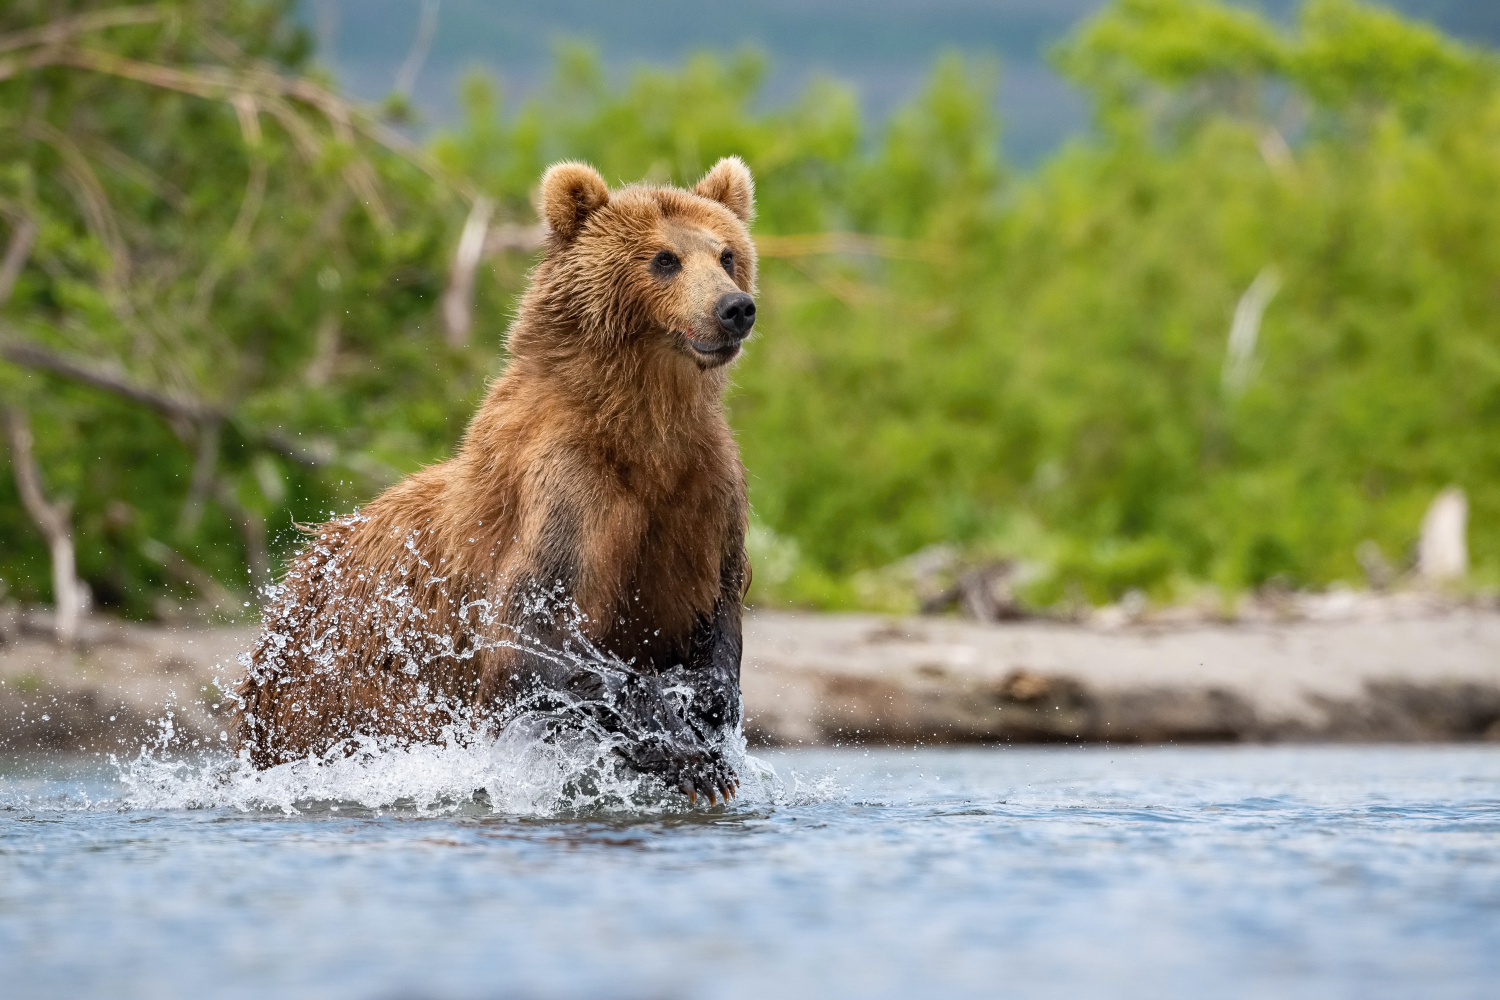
(632, 393)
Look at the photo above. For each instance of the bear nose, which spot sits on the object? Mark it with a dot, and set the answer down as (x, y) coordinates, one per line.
(736, 313)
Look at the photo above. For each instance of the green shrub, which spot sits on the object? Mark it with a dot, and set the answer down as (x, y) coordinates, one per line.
(1028, 365)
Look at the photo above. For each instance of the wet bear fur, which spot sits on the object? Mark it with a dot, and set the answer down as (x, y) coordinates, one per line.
(597, 498)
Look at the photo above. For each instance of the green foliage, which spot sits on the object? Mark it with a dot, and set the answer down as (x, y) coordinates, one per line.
(240, 251)
(1034, 366)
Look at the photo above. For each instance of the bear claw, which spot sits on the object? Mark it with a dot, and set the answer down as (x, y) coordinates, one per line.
(691, 770)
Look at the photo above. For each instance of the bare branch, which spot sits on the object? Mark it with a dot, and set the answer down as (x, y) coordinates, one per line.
(34, 356)
(255, 193)
(458, 300)
(16, 252)
(51, 518)
(249, 115)
(270, 91)
(61, 31)
(511, 237)
(411, 67)
(90, 195)
(15, 65)
(214, 83)
(1277, 154)
(69, 594)
(361, 177)
(209, 82)
(326, 349)
(304, 139)
(133, 170)
(317, 453)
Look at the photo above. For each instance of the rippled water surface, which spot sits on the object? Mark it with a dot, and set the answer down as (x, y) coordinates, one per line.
(1245, 872)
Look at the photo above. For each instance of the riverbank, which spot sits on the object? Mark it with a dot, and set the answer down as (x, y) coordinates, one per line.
(1432, 675)
(1411, 670)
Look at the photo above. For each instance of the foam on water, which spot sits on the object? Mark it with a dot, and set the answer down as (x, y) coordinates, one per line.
(526, 769)
(547, 756)
(550, 754)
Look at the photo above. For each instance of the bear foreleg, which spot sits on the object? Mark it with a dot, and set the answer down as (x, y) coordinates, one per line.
(713, 668)
(548, 673)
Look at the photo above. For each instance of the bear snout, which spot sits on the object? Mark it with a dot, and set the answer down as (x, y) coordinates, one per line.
(736, 314)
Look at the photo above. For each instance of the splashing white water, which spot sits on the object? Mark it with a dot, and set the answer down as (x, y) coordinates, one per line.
(548, 755)
(523, 771)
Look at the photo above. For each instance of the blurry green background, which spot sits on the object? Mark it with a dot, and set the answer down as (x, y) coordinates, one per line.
(883, 49)
(227, 315)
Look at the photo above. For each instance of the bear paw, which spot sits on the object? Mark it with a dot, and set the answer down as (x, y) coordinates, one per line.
(692, 770)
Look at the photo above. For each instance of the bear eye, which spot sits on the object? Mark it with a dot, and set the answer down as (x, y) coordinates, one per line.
(665, 263)
(726, 261)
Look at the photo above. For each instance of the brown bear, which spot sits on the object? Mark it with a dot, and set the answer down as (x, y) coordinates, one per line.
(583, 552)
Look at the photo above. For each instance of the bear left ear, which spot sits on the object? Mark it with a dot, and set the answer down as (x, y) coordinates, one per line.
(730, 184)
(571, 192)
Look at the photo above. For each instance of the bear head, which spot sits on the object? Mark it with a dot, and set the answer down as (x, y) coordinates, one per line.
(663, 270)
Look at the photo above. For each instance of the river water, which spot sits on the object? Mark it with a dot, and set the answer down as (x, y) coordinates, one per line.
(1061, 872)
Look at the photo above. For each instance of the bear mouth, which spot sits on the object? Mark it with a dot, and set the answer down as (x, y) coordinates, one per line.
(717, 354)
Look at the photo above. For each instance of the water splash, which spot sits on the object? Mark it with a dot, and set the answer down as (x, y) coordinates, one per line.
(528, 769)
(554, 753)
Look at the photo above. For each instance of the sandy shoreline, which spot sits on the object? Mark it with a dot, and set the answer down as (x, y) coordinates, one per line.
(1427, 674)
(818, 679)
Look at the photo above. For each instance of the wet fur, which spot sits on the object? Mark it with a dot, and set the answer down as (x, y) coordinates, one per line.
(599, 469)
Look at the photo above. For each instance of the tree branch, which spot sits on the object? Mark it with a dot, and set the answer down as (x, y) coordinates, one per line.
(411, 68)
(458, 301)
(69, 594)
(316, 453)
(508, 237)
(38, 358)
(60, 31)
(215, 83)
(16, 252)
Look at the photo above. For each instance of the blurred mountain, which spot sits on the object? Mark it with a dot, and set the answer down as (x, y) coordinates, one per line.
(883, 47)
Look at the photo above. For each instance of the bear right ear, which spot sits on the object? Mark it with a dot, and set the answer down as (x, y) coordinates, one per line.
(571, 192)
(729, 183)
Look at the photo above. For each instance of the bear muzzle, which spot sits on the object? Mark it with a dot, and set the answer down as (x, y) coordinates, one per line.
(712, 355)
(736, 314)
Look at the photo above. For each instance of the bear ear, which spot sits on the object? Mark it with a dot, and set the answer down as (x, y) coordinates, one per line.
(571, 192)
(730, 184)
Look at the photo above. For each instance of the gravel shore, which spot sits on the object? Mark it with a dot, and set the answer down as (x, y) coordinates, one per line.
(1419, 672)
(812, 679)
